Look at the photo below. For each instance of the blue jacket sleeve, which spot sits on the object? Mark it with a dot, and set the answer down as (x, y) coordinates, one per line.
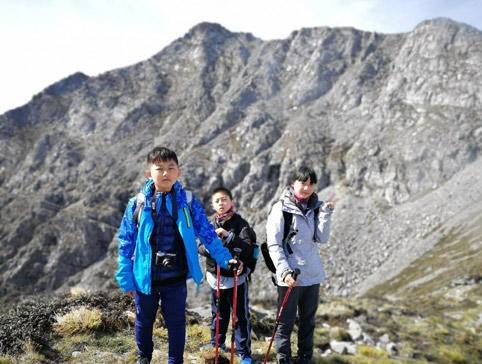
(206, 234)
(126, 247)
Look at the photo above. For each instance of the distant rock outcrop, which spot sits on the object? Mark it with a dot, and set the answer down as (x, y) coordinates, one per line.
(391, 123)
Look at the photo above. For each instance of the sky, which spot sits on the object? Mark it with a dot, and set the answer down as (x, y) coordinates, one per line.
(43, 41)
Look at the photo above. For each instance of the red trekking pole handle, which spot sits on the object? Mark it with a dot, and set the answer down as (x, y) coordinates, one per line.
(237, 251)
(218, 300)
(283, 304)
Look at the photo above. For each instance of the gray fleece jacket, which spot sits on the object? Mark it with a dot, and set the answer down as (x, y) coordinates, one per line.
(304, 245)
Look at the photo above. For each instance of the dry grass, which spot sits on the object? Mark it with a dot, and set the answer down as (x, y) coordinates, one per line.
(30, 355)
(161, 333)
(209, 357)
(77, 292)
(79, 320)
(197, 336)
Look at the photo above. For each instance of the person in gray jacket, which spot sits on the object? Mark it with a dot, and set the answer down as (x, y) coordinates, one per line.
(310, 225)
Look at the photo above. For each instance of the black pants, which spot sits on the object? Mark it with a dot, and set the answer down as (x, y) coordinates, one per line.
(305, 301)
(242, 332)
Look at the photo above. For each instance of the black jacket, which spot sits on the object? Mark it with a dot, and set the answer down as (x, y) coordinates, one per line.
(244, 238)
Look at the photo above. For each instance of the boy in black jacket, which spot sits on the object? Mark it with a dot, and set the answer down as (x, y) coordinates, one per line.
(235, 232)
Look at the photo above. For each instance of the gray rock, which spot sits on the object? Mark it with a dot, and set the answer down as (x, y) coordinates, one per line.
(354, 329)
(383, 340)
(392, 349)
(343, 347)
(367, 339)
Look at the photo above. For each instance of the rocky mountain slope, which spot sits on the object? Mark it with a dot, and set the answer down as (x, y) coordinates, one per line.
(391, 122)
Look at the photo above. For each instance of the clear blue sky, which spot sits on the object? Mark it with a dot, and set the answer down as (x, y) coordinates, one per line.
(43, 41)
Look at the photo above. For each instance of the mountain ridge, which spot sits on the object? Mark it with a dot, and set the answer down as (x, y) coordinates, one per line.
(384, 118)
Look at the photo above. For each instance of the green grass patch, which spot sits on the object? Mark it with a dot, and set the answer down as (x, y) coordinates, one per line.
(451, 354)
(6, 359)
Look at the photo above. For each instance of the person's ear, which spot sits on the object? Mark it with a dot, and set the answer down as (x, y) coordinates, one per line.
(147, 173)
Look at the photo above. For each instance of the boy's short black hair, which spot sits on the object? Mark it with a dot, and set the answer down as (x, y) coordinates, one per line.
(223, 190)
(302, 174)
(161, 154)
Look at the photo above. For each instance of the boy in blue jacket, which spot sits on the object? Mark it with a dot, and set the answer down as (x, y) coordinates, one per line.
(158, 252)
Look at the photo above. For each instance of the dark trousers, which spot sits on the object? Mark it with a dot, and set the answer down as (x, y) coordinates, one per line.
(173, 308)
(242, 333)
(305, 301)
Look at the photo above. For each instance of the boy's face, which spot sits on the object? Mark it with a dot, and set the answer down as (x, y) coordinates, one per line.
(303, 189)
(164, 174)
(221, 202)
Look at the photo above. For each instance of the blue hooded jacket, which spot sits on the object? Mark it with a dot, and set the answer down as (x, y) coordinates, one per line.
(135, 253)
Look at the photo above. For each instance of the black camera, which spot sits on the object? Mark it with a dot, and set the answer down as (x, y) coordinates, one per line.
(166, 260)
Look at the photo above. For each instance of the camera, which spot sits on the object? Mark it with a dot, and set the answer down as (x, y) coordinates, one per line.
(166, 260)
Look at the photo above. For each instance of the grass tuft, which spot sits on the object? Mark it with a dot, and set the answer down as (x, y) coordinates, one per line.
(161, 333)
(451, 353)
(77, 292)
(197, 336)
(79, 320)
(372, 352)
(30, 355)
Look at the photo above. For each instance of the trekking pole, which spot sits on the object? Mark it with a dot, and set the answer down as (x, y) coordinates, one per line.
(218, 304)
(283, 304)
(237, 251)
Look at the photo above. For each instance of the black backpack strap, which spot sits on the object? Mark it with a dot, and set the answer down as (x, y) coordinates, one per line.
(288, 218)
(267, 258)
(316, 213)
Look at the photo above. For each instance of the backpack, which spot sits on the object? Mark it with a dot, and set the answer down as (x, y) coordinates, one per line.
(253, 257)
(288, 221)
(141, 202)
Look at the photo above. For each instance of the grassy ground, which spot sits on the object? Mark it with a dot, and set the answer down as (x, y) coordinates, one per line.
(421, 336)
(431, 312)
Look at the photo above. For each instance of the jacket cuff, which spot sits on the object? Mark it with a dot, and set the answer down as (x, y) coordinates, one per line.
(225, 264)
(285, 273)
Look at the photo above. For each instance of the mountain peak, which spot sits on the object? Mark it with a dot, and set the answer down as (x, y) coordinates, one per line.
(209, 28)
(444, 23)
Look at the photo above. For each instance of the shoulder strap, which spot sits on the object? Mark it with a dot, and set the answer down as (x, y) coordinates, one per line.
(315, 214)
(189, 197)
(288, 218)
(140, 203)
